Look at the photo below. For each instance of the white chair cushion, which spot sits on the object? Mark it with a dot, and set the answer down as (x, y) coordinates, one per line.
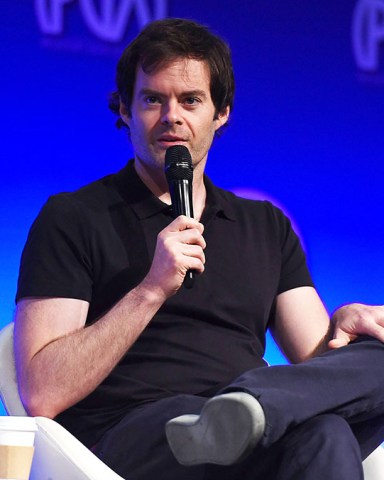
(8, 384)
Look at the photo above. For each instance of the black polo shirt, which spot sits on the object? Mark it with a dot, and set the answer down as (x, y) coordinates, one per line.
(97, 243)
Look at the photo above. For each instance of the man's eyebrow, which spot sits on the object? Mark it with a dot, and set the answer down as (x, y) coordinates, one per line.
(194, 93)
(186, 93)
(149, 91)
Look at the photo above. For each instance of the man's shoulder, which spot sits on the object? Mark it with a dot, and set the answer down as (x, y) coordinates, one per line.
(97, 195)
(245, 204)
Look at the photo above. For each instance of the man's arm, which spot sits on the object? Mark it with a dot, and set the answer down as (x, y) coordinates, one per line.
(59, 361)
(301, 327)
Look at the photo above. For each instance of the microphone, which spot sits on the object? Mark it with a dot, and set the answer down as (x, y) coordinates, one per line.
(179, 173)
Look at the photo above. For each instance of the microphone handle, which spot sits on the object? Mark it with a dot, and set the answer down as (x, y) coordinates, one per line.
(182, 204)
(181, 197)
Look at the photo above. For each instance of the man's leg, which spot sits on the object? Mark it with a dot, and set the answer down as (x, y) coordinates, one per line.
(321, 448)
(348, 382)
(324, 447)
(136, 448)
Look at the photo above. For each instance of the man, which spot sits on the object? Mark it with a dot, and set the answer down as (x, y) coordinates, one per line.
(109, 342)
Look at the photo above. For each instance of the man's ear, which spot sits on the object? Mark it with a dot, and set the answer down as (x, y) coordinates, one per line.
(124, 113)
(222, 118)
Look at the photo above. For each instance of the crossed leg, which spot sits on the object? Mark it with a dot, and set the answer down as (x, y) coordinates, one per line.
(322, 417)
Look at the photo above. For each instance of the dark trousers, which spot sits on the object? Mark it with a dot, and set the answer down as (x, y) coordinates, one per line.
(323, 417)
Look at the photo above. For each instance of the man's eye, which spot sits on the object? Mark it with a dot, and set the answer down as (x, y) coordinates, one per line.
(151, 100)
(191, 100)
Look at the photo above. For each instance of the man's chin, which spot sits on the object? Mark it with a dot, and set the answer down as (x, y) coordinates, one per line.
(153, 160)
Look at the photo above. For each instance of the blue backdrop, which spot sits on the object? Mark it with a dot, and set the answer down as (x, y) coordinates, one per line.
(306, 130)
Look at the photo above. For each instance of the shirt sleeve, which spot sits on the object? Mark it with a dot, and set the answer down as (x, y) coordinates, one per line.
(294, 269)
(55, 261)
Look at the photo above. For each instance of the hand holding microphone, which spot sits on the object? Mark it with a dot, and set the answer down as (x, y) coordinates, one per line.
(179, 174)
(180, 245)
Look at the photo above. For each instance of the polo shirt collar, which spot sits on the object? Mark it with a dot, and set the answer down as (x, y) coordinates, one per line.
(145, 204)
(218, 201)
(137, 195)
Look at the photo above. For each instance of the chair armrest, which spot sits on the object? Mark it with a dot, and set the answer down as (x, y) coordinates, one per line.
(9, 393)
(374, 465)
(60, 456)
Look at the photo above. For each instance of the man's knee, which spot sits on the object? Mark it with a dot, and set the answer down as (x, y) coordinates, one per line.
(327, 443)
(331, 431)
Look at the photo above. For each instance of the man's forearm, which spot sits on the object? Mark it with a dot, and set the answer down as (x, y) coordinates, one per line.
(70, 367)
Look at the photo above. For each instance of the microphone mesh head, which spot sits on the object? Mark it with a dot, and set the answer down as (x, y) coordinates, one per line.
(178, 163)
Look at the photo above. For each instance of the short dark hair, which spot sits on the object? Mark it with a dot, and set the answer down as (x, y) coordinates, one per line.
(165, 40)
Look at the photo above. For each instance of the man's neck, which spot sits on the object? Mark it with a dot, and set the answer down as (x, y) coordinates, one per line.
(155, 180)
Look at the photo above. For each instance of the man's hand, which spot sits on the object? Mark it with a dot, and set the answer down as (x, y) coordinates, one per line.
(356, 319)
(179, 248)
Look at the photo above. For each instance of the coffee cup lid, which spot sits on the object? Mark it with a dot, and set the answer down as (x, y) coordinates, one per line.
(22, 424)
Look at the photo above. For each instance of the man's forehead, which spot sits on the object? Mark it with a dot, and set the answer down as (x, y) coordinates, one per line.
(186, 70)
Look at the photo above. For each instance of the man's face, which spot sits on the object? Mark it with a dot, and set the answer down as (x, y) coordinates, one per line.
(173, 106)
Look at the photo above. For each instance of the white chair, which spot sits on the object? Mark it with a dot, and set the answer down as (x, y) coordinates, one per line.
(60, 456)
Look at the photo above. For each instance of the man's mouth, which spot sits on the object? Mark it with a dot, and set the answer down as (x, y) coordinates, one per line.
(170, 140)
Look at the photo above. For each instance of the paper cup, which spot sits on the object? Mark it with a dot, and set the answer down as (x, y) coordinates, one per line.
(17, 435)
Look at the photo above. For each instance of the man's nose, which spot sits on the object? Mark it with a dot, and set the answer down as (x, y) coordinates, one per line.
(171, 113)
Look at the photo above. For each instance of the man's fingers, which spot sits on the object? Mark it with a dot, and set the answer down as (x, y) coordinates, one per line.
(184, 223)
(375, 330)
(338, 342)
(195, 264)
(179, 248)
(195, 256)
(192, 237)
(340, 339)
(357, 319)
(181, 240)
